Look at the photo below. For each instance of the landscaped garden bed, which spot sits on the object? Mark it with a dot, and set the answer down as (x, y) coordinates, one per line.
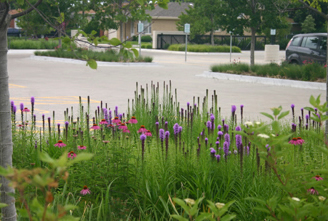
(203, 48)
(108, 55)
(307, 72)
(19, 43)
(158, 151)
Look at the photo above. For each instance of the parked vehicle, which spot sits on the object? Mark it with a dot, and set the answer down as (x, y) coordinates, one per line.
(303, 48)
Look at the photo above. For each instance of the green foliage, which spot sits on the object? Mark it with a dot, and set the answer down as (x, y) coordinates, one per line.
(307, 72)
(144, 38)
(148, 46)
(202, 48)
(33, 44)
(308, 25)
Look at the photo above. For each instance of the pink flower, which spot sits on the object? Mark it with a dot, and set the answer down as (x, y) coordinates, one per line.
(312, 191)
(103, 121)
(126, 131)
(148, 133)
(317, 177)
(81, 147)
(296, 141)
(142, 129)
(26, 109)
(116, 120)
(133, 120)
(85, 191)
(71, 155)
(110, 125)
(20, 125)
(123, 127)
(95, 127)
(60, 144)
(300, 140)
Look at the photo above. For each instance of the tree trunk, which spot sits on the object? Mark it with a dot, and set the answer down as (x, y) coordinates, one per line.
(326, 128)
(212, 37)
(252, 46)
(6, 145)
(59, 37)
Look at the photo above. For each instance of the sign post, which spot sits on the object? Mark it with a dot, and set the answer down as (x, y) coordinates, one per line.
(140, 30)
(187, 31)
(230, 44)
(273, 33)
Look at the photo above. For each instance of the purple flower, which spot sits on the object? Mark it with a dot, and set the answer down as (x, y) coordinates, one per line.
(213, 151)
(157, 123)
(14, 109)
(36, 145)
(227, 138)
(241, 106)
(116, 110)
(32, 100)
(233, 108)
(167, 134)
(120, 116)
(220, 133)
(180, 129)
(218, 157)
(226, 127)
(268, 147)
(209, 124)
(176, 128)
(212, 117)
(247, 149)
(161, 134)
(66, 123)
(307, 117)
(217, 142)
(143, 137)
(219, 127)
(11, 103)
(206, 139)
(238, 140)
(292, 106)
(238, 128)
(318, 116)
(226, 148)
(21, 106)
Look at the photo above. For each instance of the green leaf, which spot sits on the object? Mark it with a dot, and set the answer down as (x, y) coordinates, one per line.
(3, 205)
(23, 213)
(182, 204)
(313, 101)
(20, 2)
(66, 40)
(283, 114)
(267, 115)
(37, 179)
(92, 63)
(115, 42)
(256, 200)
(163, 5)
(309, 109)
(262, 209)
(178, 217)
(228, 217)
(203, 216)
(46, 158)
(276, 110)
(80, 157)
(135, 51)
(275, 126)
(70, 207)
(128, 45)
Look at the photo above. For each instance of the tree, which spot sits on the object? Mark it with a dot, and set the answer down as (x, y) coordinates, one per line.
(6, 145)
(314, 5)
(308, 24)
(251, 14)
(204, 16)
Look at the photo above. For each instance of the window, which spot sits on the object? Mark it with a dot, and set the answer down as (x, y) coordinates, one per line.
(323, 44)
(310, 42)
(147, 27)
(296, 41)
(132, 28)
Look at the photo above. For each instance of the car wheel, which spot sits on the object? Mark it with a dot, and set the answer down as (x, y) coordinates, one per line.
(293, 62)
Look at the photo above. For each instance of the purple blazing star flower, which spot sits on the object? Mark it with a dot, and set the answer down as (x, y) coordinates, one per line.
(233, 108)
(116, 110)
(238, 128)
(161, 134)
(14, 109)
(247, 149)
(226, 127)
(241, 106)
(268, 147)
(36, 145)
(218, 157)
(121, 117)
(220, 134)
(143, 137)
(219, 127)
(167, 134)
(318, 116)
(238, 140)
(227, 138)
(209, 124)
(226, 148)
(157, 123)
(213, 151)
(21, 106)
(176, 128)
(292, 106)
(32, 100)
(180, 129)
(212, 118)
(307, 117)
(12, 103)
(66, 124)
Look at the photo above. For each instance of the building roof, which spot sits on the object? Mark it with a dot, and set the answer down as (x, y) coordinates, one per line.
(174, 10)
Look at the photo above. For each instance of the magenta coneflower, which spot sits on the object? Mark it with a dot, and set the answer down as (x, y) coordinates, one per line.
(296, 141)
(133, 120)
(71, 155)
(116, 120)
(95, 127)
(85, 191)
(20, 125)
(123, 127)
(81, 147)
(103, 121)
(312, 191)
(110, 125)
(26, 109)
(126, 131)
(142, 129)
(317, 177)
(60, 144)
(148, 133)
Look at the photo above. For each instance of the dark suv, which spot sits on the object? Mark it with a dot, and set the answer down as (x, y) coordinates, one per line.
(304, 48)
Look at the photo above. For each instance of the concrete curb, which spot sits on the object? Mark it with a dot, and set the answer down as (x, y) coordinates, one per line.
(263, 80)
(100, 63)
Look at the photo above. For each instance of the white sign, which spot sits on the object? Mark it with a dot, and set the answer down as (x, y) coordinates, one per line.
(140, 27)
(273, 31)
(187, 28)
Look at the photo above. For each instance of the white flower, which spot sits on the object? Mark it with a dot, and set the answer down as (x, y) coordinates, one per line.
(263, 136)
(296, 199)
(257, 123)
(249, 123)
(189, 201)
(322, 198)
(219, 205)
(273, 135)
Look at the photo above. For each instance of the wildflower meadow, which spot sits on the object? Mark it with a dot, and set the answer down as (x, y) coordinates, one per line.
(162, 160)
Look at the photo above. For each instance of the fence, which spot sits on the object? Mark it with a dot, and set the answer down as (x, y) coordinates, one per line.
(243, 42)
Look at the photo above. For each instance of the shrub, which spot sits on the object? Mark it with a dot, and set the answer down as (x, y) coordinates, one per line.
(203, 48)
(33, 44)
(313, 72)
(147, 45)
(145, 38)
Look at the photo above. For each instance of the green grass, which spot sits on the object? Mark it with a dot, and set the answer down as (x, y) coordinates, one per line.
(307, 72)
(32, 44)
(203, 48)
(109, 56)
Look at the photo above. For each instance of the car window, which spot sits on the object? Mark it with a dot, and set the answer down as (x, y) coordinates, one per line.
(323, 44)
(296, 41)
(310, 42)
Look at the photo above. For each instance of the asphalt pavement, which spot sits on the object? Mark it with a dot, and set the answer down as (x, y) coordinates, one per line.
(57, 84)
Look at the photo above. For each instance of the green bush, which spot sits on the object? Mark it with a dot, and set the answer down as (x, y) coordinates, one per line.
(33, 44)
(203, 48)
(307, 72)
(145, 38)
(146, 45)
